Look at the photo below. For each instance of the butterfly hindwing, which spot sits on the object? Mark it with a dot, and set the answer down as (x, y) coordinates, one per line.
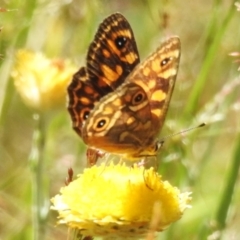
(82, 97)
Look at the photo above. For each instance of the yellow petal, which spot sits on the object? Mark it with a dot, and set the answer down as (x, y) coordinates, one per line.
(41, 82)
(118, 201)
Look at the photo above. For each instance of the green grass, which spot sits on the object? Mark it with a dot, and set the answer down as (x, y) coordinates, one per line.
(204, 161)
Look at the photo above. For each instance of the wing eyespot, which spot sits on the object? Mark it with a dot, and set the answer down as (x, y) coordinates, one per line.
(120, 42)
(100, 124)
(138, 98)
(165, 61)
(85, 113)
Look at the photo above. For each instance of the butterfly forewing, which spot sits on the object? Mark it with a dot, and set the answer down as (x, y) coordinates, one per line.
(111, 57)
(117, 120)
(157, 76)
(113, 54)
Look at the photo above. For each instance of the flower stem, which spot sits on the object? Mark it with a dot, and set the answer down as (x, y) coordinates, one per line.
(36, 160)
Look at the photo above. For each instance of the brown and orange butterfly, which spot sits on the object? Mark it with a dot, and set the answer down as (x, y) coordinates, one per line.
(117, 104)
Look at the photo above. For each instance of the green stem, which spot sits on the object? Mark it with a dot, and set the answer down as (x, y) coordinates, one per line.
(39, 210)
(207, 64)
(226, 198)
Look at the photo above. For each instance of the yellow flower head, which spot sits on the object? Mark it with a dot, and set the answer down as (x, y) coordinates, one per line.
(118, 201)
(41, 82)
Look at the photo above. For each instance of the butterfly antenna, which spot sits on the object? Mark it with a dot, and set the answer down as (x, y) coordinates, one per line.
(181, 132)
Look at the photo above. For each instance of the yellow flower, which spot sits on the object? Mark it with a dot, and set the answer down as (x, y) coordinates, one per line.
(41, 82)
(118, 201)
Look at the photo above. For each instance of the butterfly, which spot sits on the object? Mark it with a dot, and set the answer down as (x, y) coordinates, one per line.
(117, 104)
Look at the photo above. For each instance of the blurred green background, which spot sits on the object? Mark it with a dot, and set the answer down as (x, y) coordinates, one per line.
(204, 161)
